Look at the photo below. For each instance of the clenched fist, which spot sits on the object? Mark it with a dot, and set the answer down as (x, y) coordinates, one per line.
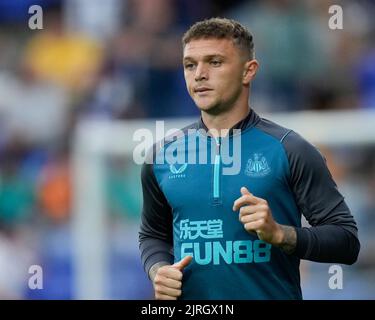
(256, 216)
(168, 280)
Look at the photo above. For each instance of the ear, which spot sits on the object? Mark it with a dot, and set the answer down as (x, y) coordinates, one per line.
(250, 70)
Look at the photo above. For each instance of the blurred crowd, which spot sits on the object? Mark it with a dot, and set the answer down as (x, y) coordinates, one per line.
(121, 59)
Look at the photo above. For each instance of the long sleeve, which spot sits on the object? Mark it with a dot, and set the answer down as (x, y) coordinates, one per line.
(333, 235)
(155, 234)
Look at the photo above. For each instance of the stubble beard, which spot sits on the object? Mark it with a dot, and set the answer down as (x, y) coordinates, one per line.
(220, 107)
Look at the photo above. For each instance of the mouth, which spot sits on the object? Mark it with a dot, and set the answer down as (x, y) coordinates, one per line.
(202, 89)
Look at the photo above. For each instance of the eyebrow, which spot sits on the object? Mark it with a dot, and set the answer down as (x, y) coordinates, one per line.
(207, 57)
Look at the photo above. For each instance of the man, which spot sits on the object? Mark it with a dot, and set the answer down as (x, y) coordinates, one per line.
(207, 235)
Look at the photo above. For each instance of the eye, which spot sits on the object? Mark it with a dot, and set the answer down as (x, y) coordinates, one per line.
(189, 66)
(215, 63)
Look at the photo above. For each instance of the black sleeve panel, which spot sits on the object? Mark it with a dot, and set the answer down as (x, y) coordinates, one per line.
(333, 235)
(331, 241)
(156, 230)
(155, 235)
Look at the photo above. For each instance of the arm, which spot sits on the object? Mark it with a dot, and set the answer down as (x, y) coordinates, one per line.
(155, 235)
(326, 242)
(156, 240)
(318, 243)
(333, 235)
(288, 241)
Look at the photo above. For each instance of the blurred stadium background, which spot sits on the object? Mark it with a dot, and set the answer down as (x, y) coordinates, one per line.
(72, 94)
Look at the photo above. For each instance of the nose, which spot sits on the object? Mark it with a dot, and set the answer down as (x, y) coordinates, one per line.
(201, 72)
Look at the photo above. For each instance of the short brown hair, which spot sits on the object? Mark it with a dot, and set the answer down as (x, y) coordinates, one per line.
(222, 28)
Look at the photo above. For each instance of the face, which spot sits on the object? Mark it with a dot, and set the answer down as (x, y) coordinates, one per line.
(216, 73)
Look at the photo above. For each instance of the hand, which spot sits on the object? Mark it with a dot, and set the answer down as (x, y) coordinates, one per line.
(256, 216)
(168, 280)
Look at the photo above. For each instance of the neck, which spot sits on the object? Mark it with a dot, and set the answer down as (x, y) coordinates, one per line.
(225, 120)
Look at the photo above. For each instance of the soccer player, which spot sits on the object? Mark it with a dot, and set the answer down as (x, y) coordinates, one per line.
(209, 235)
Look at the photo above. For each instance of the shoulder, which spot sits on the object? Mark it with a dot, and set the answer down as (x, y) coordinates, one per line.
(178, 135)
(293, 143)
(272, 129)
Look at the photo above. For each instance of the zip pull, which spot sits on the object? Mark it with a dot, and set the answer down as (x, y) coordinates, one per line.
(218, 145)
(216, 186)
